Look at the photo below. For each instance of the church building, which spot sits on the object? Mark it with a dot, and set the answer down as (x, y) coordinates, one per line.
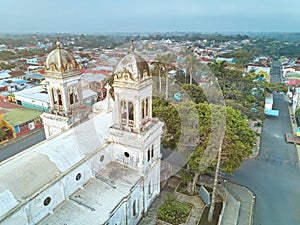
(100, 168)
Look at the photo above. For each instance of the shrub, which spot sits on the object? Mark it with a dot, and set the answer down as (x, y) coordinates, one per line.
(173, 211)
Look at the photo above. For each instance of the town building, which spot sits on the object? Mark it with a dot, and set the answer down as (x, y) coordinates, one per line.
(16, 120)
(33, 98)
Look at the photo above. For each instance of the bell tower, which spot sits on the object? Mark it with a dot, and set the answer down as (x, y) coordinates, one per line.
(136, 136)
(64, 89)
(133, 94)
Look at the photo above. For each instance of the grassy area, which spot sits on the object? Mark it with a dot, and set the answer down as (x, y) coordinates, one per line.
(173, 211)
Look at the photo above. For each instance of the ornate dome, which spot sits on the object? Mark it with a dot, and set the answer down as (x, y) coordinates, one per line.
(133, 67)
(60, 60)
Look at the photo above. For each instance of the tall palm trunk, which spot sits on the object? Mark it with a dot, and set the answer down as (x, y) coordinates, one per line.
(159, 80)
(191, 76)
(213, 197)
(167, 87)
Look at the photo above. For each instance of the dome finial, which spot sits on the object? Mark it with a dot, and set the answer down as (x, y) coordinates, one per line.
(57, 41)
(132, 47)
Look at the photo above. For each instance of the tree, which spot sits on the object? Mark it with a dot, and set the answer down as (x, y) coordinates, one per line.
(192, 64)
(236, 145)
(163, 65)
(167, 112)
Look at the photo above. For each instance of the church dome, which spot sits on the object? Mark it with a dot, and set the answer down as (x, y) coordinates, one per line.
(133, 67)
(60, 60)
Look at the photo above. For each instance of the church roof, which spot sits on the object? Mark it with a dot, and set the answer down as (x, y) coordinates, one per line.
(98, 197)
(26, 174)
(132, 67)
(60, 60)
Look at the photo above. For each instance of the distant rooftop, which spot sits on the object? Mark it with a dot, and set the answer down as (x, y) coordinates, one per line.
(20, 115)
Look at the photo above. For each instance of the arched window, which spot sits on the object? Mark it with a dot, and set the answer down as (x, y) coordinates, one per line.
(135, 207)
(143, 109)
(123, 110)
(59, 98)
(149, 189)
(130, 111)
(54, 96)
(76, 95)
(147, 107)
(152, 151)
(149, 155)
(71, 96)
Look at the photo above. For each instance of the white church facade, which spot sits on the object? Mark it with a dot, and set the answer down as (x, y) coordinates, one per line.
(100, 170)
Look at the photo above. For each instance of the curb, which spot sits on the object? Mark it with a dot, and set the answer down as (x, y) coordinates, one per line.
(252, 206)
(258, 142)
(293, 131)
(252, 202)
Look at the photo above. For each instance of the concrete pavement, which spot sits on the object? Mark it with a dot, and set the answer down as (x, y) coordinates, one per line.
(237, 205)
(246, 198)
(169, 189)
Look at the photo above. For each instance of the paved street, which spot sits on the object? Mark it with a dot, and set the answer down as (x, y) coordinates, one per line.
(16, 147)
(274, 174)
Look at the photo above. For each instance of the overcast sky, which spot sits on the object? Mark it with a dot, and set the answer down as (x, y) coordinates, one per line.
(99, 16)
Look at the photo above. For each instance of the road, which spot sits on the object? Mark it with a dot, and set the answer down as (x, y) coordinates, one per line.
(274, 174)
(21, 145)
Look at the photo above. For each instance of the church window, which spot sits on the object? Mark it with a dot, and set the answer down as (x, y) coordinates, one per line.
(78, 176)
(148, 156)
(76, 95)
(145, 108)
(135, 207)
(145, 73)
(54, 97)
(126, 154)
(101, 158)
(127, 113)
(152, 151)
(130, 111)
(149, 189)
(123, 110)
(59, 98)
(47, 201)
(71, 96)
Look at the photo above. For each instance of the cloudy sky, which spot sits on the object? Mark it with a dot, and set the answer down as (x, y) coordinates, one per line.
(99, 16)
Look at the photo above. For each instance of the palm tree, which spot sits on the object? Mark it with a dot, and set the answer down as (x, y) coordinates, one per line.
(163, 64)
(159, 67)
(192, 64)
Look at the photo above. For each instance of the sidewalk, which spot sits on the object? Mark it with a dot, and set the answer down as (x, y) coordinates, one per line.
(169, 189)
(238, 206)
(246, 200)
(293, 131)
(255, 150)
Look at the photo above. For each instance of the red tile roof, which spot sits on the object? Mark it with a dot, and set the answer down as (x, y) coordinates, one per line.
(8, 105)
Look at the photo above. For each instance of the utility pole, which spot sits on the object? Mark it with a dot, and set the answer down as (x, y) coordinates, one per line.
(213, 197)
(167, 86)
